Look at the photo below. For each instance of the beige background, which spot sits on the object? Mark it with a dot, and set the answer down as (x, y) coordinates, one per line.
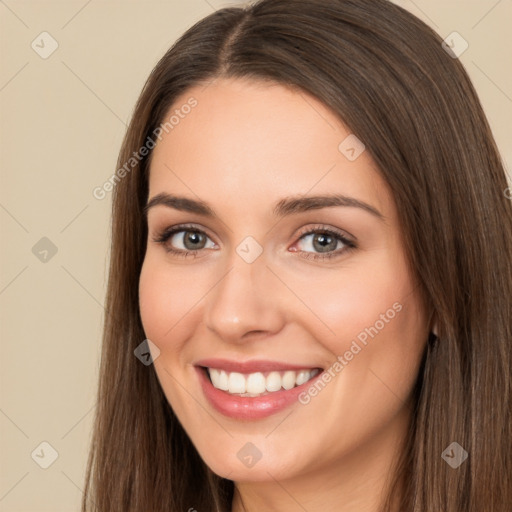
(62, 122)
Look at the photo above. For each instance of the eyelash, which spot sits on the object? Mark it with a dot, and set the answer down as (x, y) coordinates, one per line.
(163, 236)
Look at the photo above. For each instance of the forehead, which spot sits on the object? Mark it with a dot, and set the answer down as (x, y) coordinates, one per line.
(249, 143)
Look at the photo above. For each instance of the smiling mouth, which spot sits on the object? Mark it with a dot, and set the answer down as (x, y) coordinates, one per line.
(258, 383)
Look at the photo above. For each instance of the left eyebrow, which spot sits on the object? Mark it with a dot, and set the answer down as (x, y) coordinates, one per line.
(291, 205)
(284, 207)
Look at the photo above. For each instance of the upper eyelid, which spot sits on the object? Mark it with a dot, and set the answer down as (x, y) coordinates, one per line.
(179, 228)
(322, 227)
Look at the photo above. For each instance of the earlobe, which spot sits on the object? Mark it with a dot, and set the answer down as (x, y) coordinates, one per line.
(433, 325)
(434, 329)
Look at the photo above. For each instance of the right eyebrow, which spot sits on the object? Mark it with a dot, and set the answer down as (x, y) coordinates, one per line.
(181, 203)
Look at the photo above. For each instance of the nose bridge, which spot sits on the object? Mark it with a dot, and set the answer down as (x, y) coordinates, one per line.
(244, 300)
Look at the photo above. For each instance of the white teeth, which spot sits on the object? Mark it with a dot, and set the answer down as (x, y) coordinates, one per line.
(220, 377)
(223, 381)
(273, 382)
(255, 384)
(214, 375)
(302, 376)
(236, 383)
(289, 380)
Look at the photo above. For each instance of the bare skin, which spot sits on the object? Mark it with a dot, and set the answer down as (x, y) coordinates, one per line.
(242, 149)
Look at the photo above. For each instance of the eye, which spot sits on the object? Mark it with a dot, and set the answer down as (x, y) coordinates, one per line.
(188, 240)
(326, 241)
(183, 240)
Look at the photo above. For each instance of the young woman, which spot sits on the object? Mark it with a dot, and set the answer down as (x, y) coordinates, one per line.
(311, 244)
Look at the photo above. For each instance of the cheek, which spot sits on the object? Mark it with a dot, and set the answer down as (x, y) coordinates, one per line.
(380, 333)
(352, 301)
(166, 300)
(376, 323)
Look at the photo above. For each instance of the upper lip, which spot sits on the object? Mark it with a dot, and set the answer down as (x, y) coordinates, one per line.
(251, 366)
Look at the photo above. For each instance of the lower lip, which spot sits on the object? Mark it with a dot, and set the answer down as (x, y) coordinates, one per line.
(250, 408)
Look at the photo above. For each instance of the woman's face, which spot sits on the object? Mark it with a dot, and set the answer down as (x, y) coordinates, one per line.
(288, 257)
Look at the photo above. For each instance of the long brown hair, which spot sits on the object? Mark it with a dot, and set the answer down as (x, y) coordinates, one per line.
(387, 76)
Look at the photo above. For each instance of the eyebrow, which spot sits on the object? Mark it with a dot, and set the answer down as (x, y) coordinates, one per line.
(284, 207)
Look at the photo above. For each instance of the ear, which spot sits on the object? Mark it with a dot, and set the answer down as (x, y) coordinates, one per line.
(433, 325)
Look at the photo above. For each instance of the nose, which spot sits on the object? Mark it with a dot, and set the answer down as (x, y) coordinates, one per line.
(245, 302)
